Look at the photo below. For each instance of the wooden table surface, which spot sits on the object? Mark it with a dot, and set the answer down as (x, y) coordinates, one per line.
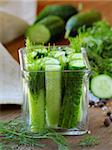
(96, 115)
(96, 118)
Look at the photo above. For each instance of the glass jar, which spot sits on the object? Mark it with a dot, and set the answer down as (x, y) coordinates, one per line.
(56, 99)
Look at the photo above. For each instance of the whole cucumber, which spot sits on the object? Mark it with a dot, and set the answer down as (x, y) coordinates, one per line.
(55, 25)
(63, 11)
(83, 18)
(38, 34)
(45, 30)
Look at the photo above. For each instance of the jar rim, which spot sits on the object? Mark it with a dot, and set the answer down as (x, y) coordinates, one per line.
(87, 69)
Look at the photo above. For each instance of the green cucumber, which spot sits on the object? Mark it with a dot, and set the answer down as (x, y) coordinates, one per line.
(37, 111)
(76, 64)
(70, 109)
(80, 19)
(53, 94)
(51, 61)
(36, 100)
(76, 56)
(38, 33)
(63, 11)
(80, 112)
(50, 28)
(101, 86)
(55, 24)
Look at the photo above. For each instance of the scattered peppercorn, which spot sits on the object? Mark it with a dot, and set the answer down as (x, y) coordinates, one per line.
(107, 122)
(96, 105)
(104, 108)
(110, 117)
(100, 104)
(91, 103)
(104, 101)
(108, 113)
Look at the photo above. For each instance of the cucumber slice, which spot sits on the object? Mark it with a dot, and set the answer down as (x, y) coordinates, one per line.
(76, 64)
(38, 33)
(53, 94)
(76, 56)
(51, 61)
(101, 86)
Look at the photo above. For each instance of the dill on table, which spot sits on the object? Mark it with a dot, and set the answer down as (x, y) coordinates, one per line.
(89, 140)
(13, 134)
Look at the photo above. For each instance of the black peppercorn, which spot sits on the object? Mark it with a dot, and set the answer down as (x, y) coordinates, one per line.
(107, 122)
(100, 104)
(91, 103)
(110, 117)
(104, 102)
(108, 113)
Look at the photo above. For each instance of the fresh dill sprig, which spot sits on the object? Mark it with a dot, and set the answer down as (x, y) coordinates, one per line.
(89, 140)
(98, 43)
(15, 133)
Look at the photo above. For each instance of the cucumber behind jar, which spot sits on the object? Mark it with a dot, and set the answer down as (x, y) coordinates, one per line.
(80, 19)
(55, 24)
(38, 34)
(49, 28)
(63, 11)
